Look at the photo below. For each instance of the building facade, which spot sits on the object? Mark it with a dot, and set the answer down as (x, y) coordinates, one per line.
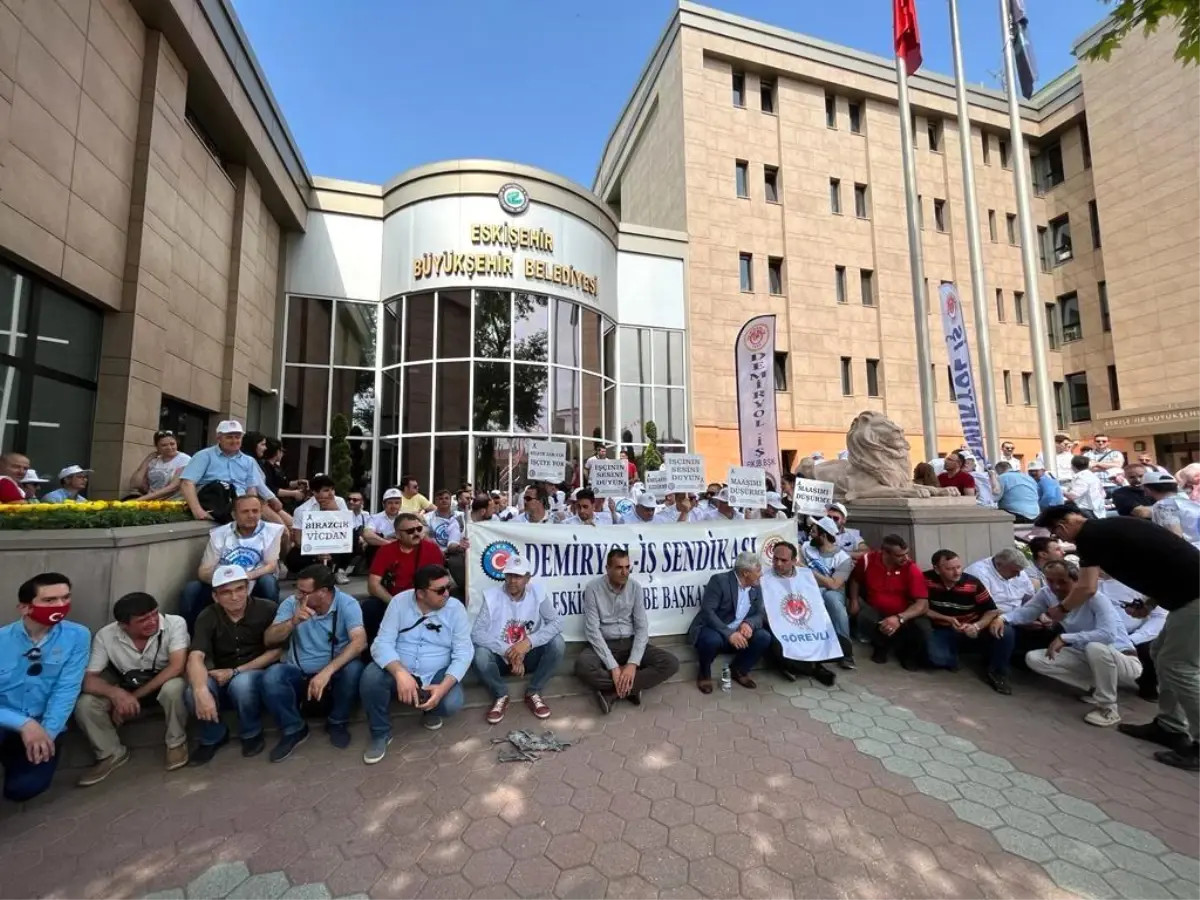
(167, 260)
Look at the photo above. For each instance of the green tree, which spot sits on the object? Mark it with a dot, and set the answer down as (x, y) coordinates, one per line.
(651, 460)
(1149, 14)
(340, 462)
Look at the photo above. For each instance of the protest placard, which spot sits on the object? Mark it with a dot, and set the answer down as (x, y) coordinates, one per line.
(812, 497)
(547, 461)
(686, 471)
(327, 531)
(659, 484)
(609, 478)
(747, 487)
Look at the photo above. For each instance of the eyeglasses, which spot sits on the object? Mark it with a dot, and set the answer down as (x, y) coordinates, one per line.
(34, 655)
(442, 592)
(434, 626)
(417, 529)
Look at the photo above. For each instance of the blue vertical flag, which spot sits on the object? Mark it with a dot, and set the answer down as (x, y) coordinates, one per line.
(1022, 48)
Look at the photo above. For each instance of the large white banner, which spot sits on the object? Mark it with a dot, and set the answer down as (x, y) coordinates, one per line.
(672, 563)
(959, 350)
(754, 364)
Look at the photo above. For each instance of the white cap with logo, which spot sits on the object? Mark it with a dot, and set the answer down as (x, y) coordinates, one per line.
(230, 426)
(73, 470)
(228, 575)
(827, 525)
(517, 565)
(840, 507)
(646, 501)
(32, 477)
(775, 500)
(393, 494)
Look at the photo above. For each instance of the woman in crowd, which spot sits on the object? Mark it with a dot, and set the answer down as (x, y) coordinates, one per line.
(157, 478)
(1189, 480)
(925, 475)
(271, 463)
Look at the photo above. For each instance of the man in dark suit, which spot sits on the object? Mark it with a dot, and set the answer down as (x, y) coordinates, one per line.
(731, 619)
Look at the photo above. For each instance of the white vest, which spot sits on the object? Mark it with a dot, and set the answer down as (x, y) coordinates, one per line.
(513, 621)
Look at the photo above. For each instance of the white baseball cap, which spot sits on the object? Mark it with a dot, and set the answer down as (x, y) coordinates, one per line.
(517, 565)
(827, 525)
(227, 575)
(775, 500)
(647, 501)
(32, 477)
(1157, 476)
(575, 494)
(393, 494)
(73, 470)
(722, 495)
(1037, 465)
(840, 507)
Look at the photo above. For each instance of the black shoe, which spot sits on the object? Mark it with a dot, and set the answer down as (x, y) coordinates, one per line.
(339, 736)
(287, 743)
(604, 702)
(1153, 732)
(999, 683)
(823, 675)
(634, 697)
(253, 746)
(847, 662)
(909, 664)
(1189, 759)
(879, 655)
(204, 753)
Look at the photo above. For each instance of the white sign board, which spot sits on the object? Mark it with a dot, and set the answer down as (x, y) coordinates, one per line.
(609, 478)
(659, 484)
(547, 461)
(325, 531)
(686, 471)
(747, 487)
(812, 497)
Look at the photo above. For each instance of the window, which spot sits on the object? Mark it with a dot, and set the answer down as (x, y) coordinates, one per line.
(921, 211)
(1043, 237)
(855, 117)
(1060, 404)
(766, 91)
(1047, 169)
(847, 377)
(771, 183)
(1006, 377)
(872, 378)
(1068, 311)
(1105, 321)
(986, 140)
(939, 215)
(781, 370)
(866, 281)
(1003, 153)
(839, 281)
(742, 178)
(1027, 388)
(746, 271)
(1094, 218)
(830, 111)
(1019, 306)
(190, 423)
(256, 410)
(835, 196)
(860, 201)
(1086, 144)
(933, 380)
(739, 89)
(1053, 327)
(1113, 391)
(933, 128)
(992, 225)
(1077, 397)
(1010, 225)
(1060, 239)
(950, 381)
(1000, 304)
(775, 275)
(914, 132)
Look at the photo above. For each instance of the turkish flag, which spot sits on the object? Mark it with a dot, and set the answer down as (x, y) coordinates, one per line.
(906, 33)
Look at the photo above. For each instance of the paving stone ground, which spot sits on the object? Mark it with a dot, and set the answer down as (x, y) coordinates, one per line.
(890, 785)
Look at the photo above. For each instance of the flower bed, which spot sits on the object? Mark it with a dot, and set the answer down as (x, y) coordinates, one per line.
(92, 514)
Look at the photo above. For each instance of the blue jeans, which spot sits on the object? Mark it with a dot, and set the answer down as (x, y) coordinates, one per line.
(540, 663)
(377, 689)
(943, 644)
(24, 780)
(285, 688)
(710, 642)
(839, 615)
(197, 595)
(243, 692)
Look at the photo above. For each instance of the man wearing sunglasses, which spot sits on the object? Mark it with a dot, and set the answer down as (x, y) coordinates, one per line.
(47, 657)
(420, 657)
(394, 566)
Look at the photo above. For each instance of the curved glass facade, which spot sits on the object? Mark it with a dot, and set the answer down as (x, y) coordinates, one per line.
(451, 386)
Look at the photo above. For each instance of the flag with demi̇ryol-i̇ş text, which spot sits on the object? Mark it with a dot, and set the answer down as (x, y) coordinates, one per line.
(906, 34)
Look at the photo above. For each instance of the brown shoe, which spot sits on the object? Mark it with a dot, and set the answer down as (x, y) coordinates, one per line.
(705, 685)
(177, 757)
(103, 768)
(744, 680)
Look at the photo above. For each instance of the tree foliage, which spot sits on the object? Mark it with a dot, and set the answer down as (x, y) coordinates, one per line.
(340, 461)
(651, 459)
(1149, 15)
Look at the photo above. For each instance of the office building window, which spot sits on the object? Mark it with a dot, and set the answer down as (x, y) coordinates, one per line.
(830, 111)
(866, 281)
(986, 140)
(1060, 404)
(746, 271)
(1068, 311)
(855, 117)
(1060, 239)
(872, 378)
(1010, 226)
(1019, 306)
(1027, 388)
(775, 275)
(1086, 144)
(766, 92)
(1105, 321)
(835, 196)
(839, 281)
(933, 380)
(1006, 377)
(921, 211)
(847, 377)
(992, 225)
(933, 128)
(1113, 391)
(781, 370)
(742, 178)
(739, 89)
(1077, 397)
(1094, 218)
(1053, 327)
(190, 424)
(1043, 239)
(939, 215)
(1047, 169)
(861, 209)
(771, 183)
(1003, 153)
(1000, 304)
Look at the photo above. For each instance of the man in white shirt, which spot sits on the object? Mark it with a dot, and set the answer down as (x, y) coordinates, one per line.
(645, 511)
(849, 539)
(600, 454)
(585, 510)
(536, 508)
(719, 509)
(1062, 459)
(831, 567)
(1171, 511)
(683, 509)
(443, 523)
(1006, 576)
(1106, 461)
(138, 659)
(1008, 454)
(776, 508)
(1084, 488)
(1144, 622)
(381, 527)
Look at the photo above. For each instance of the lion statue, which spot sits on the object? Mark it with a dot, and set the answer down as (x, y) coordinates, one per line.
(877, 464)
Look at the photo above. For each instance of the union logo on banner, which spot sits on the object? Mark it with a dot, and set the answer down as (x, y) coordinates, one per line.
(952, 306)
(795, 609)
(495, 555)
(757, 337)
(768, 548)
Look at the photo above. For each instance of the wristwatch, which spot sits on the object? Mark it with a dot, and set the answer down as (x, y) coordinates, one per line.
(900, 618)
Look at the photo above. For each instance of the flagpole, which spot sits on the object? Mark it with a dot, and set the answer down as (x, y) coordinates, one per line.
(983, 339)
(1035, 312)
(917, 268)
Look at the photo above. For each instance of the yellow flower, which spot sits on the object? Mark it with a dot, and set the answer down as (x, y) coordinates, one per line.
(99, 504)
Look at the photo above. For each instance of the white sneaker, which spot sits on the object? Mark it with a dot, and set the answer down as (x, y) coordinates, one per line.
(1103, 716)
(340, 577)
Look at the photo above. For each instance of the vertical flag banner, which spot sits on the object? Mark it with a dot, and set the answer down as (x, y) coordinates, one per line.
(1022, 49)
(754, 363)
(959, 351)
(906, 34)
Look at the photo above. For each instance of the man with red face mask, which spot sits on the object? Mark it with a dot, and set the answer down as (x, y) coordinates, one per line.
(47, 656)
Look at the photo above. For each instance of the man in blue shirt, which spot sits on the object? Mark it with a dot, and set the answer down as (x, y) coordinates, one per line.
(225, 462)
(421, 654)
(42, 662)
(322, 629)
(1018, 493)
(72, 482)
(1049, 490)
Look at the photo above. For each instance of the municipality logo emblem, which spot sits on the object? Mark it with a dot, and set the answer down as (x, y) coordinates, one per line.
(495, 555)
(514, 198)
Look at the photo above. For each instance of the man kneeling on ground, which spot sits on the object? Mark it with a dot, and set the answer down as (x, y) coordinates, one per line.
(893, 612)
(322, 628)
(137, 659)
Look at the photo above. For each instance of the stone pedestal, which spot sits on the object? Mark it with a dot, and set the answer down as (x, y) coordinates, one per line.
(952, 523)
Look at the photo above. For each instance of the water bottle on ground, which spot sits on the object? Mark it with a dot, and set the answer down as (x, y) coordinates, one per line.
(726, 680)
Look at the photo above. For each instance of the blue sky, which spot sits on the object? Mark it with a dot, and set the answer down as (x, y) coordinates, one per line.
(370, 88)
